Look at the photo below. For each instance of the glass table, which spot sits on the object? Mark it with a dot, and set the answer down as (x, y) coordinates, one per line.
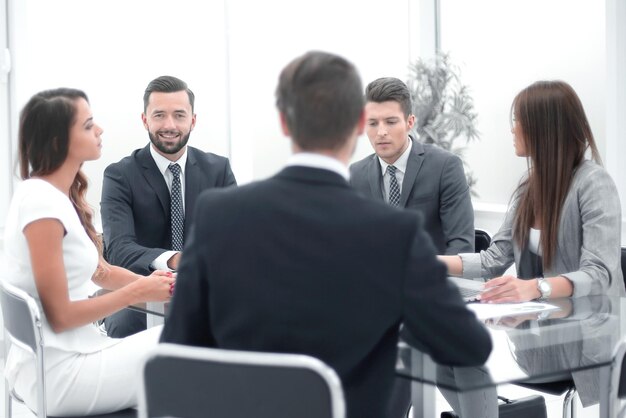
(577, 340)
(155, 310)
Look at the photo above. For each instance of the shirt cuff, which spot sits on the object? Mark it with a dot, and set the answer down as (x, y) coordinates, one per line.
(160, 263)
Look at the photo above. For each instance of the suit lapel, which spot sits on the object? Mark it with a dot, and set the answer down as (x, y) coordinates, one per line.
(154, 178)
(374, 177)
(413, 166)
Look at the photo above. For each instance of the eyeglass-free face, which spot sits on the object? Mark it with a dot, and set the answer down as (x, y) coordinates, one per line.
(518, 138)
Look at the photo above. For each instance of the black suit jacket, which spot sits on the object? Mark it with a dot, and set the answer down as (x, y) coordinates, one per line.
(301, 263)
(435, 185)
(135, 204)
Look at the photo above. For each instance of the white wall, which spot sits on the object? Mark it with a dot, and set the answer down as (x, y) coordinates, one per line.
(260, 48)
(111, 50)
(5, 120)
(616, 98)
(502, 47)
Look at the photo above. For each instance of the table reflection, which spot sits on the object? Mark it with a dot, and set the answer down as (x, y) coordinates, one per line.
(576, 341)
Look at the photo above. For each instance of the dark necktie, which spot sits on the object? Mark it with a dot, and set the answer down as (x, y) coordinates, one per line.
(176, 206)
(394, 189)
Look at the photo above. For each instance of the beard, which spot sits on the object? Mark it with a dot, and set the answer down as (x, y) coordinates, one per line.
(169, 148)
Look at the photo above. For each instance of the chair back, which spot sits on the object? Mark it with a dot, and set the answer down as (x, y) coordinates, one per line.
(21, 318)
(617, 384)
(22, 326)
(190, 382)
(482, 240)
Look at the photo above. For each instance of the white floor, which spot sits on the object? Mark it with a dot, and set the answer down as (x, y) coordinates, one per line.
(554, 404)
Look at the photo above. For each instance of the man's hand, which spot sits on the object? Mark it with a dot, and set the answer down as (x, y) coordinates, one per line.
(172, 263)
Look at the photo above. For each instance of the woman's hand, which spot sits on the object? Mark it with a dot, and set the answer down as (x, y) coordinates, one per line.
(509, 289)
(158, 287)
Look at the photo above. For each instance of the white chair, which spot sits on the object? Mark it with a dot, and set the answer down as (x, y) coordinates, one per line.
(22, 326)
(193, 382)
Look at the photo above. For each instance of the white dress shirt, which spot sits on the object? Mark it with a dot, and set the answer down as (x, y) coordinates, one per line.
(534, 239)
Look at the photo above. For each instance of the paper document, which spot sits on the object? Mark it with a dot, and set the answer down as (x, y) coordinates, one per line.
(499, 310)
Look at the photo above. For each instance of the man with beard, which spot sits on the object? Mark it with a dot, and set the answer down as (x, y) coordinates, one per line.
(148, 198)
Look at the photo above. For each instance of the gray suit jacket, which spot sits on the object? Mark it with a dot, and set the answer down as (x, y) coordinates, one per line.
(588, 245)
(435, 185)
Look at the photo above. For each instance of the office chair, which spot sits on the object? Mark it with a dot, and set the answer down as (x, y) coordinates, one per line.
(22, 326)
(624, 264)
(617, 382)
(482, 240)
(193, 382)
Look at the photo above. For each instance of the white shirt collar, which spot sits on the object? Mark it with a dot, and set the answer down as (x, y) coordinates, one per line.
(401, 162)
(311, 159)
(163, 163)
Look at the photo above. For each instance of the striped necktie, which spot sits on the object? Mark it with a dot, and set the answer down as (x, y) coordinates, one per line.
(394, 189)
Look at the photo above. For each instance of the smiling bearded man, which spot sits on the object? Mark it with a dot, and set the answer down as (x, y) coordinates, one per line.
(148, 198)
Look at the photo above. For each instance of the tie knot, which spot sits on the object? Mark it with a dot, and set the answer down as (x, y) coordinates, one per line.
(175, 169)
(391, 169)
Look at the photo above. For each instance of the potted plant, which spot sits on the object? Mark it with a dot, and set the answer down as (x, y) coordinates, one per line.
(443, 108)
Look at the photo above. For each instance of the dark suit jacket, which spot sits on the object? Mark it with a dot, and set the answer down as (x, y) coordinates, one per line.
(435, 185)
(135, 204)
(301, 263)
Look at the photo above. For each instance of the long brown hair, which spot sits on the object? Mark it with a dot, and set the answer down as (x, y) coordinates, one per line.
(44, 137)
(556, 134)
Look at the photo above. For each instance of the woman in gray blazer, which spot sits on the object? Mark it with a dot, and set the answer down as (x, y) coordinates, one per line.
(562, 229)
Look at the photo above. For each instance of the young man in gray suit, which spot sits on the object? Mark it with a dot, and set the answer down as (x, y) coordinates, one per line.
(408, 174)
(420, 176)
(148, 198)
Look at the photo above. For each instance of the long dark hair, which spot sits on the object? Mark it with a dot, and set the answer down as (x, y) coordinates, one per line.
(44, 137)
(556, 134)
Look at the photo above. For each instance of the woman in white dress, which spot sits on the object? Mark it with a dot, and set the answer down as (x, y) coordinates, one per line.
(53, 252)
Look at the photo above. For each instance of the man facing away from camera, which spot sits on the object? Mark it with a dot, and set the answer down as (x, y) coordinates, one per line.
(302, 263)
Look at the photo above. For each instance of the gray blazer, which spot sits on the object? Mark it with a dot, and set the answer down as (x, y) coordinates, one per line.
(588, 246)
(435, 185)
